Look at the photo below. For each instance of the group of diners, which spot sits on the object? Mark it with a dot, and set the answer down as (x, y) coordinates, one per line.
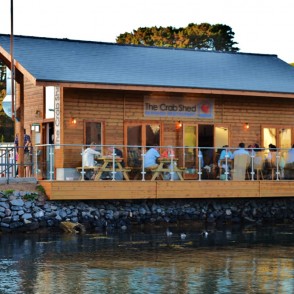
(265, 159)
(90, 156)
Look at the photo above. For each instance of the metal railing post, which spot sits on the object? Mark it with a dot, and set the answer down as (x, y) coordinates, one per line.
(143, 164)
(226, 165)
(277, 165)
(172, 166)
(83, 163)
(199, 164)
(252, 165)
(7, 163)
(113, 163)
(36, 160)
(51, 152)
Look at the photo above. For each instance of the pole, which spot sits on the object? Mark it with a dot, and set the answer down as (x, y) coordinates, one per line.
(12, 61)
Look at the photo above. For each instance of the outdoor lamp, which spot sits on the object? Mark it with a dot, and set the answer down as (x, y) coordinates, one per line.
(178, 125)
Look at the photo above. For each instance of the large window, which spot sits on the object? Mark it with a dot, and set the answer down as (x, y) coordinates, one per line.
(49, 102)
(141, 134)
(93, 133)
(280, 137)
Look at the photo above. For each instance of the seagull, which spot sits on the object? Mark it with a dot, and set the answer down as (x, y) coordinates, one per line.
(168, 233)
(204, 233)
(183, 236)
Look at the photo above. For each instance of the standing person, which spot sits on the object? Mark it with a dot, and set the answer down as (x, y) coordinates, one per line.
(16, 142)
(151, 157)
(26, 138)
(16, 154)
(27, 147)
(28, 158)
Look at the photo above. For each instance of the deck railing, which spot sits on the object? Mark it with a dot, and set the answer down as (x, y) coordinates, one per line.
(183, 163)
(194, 163)
(8, 165)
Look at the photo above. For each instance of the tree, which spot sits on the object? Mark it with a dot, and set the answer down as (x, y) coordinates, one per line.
(6, 123)
(203, 36)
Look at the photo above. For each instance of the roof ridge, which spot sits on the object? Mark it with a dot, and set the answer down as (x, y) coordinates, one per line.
(138, 45)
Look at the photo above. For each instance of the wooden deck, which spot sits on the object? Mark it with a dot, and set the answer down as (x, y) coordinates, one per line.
(83, 190)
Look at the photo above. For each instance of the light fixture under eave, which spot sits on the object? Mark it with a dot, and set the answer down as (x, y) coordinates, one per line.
(73, 120)
(246, 126)
(178, 125)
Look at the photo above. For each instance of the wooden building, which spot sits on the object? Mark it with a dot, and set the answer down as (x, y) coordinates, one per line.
(70, 93)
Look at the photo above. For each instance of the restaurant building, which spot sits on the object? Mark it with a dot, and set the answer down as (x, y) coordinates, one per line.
(70, 93)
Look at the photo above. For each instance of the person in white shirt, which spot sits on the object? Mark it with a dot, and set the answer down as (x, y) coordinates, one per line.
(89, 155)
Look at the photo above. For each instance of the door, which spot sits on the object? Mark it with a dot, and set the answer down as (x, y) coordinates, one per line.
(46, 154)
(206, 143)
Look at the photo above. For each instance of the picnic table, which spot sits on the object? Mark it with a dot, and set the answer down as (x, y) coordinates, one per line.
(167, 165)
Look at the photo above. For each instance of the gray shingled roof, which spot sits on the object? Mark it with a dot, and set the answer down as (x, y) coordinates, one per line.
(65, 60)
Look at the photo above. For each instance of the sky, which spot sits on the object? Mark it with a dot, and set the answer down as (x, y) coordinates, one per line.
(260, 26)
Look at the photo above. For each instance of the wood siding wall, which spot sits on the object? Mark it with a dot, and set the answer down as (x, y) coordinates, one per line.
(33, 104)
(114, 108)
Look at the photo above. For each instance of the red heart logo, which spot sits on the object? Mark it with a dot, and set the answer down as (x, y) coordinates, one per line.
(205, 108)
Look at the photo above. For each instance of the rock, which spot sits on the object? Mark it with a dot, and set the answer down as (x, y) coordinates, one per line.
(17, 202)
(72, 228)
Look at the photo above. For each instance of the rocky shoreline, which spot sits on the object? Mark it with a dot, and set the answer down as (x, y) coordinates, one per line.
(28, 211)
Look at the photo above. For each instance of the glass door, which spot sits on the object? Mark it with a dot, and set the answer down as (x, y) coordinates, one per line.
(190, 151)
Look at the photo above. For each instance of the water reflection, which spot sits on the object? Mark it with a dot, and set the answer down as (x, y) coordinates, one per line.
(231, 260)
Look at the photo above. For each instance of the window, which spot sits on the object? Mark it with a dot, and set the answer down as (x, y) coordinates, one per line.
(49, 102)
(281, 137)
(141, 134)
(93, 133)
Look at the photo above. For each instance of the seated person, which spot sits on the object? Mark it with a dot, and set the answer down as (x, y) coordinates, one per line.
(117, 152)
(240, 150)
(88, 159)
(134, 157)
(151, 157)
(223, 154)
(201, 159)
(272, 152)
(168, 153)
(89, 155)
(118, 174)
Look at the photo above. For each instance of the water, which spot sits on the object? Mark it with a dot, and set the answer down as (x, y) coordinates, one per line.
(227, 260)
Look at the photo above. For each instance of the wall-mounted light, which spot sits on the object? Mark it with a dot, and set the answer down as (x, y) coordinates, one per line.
(73, 120)
(178, 125)
(246, 126)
